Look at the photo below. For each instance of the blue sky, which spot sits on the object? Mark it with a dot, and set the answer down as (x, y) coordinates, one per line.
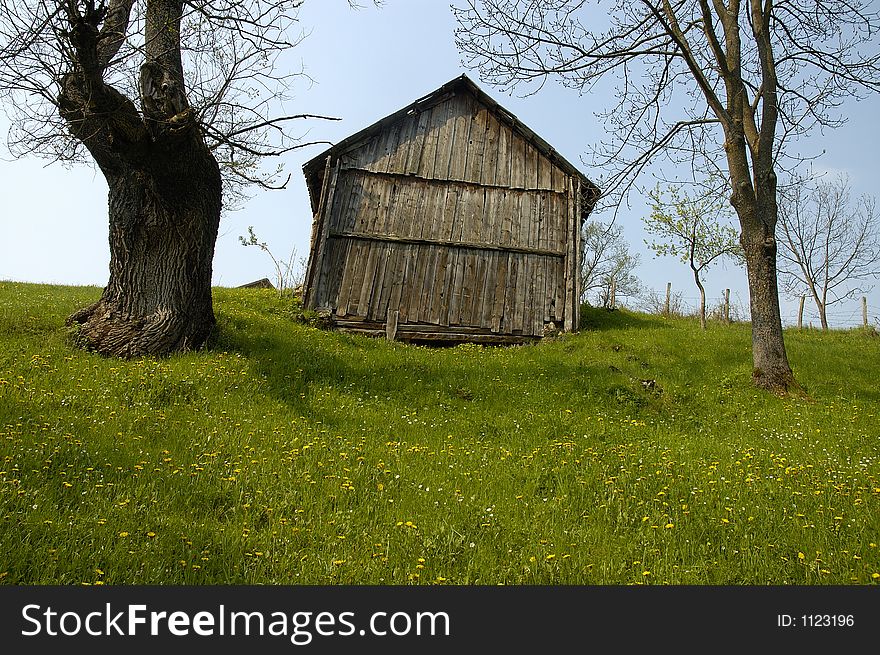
(365, 65)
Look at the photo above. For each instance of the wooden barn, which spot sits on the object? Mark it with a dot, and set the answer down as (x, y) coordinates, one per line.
(448, 221)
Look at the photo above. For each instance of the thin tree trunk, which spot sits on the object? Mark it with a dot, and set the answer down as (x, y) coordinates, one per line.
(702, 300)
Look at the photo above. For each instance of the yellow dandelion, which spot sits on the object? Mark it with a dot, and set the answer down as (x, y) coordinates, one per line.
(669, 526)
(875, 576)
(550, 556)
(123, 534)
(801, 555)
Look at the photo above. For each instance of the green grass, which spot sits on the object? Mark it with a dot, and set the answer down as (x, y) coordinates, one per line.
(286, 454)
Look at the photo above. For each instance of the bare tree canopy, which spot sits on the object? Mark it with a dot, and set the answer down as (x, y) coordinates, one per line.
(224, 55)
(177, 103)
(699, 82)
(607, 261)
(829, 243)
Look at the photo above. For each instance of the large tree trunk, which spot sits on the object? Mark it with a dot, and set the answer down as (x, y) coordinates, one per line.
(163, 226)
(771, 368)
(165, 187)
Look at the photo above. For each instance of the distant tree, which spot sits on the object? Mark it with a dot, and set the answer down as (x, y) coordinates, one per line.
(177, 103)
(830, 242)
(607, 261)
(707, 84)
(695, 230)
(287, 271)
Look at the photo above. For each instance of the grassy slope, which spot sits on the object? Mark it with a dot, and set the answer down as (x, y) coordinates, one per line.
(290, 455)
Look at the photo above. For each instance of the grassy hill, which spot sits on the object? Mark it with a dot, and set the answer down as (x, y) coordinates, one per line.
(634, 452)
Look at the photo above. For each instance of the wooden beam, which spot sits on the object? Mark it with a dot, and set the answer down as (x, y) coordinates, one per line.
(446, 243)
(445, 182)
(310, 282)
(321, 243)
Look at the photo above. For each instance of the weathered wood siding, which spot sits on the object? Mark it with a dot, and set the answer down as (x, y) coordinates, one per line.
(449, 217)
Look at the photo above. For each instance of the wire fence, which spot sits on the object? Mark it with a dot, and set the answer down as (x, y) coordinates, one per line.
(847, 314)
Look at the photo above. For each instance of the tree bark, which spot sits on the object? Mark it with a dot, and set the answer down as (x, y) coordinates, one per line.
(702, 300)
(164, 221)
(164, 187)
(771, 368)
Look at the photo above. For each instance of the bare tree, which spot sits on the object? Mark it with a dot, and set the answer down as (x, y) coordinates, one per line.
(700, 82)
(607, 262)
(830, 242)
(288, 272)
(177, 103)
(694, 230)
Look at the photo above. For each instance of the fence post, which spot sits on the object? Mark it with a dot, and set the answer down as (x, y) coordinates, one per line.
(727, 306)
(613, 293)
(668, 295)
(865, 312)
(801, 313)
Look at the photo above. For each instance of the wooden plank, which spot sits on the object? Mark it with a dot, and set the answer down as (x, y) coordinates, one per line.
(397, 211)
(576, 236)
(397, 160)
(446, 136)
(391, 325)
(490, 151)
(458, 292)
(469, 312)
(463, 122)
(317, 219)
(380, 284)
(491, 222)
(542, 311)
(440, 282)
(569, 255)
(432, 139)
(545, 174)
(559, 284)
(347, 274)
(487, 292)
(502, 170)
(427, 334)
(363, 156)
(541, 239)
(417, 147)
(517, 163)
(530, 216)
(389, 284)
(530, 172)
(391, 145)
(522, 288)
(361, 236)
(325, 223)
(448, 288)
(398, 295)
(328, 285)
(528, 294)
(369, 278)
(418, 285)
(510, 299)
(386, 195)
(499, 291)
(476, 145)
(429, 212)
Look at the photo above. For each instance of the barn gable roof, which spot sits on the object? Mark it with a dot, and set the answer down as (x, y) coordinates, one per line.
(314, 168)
